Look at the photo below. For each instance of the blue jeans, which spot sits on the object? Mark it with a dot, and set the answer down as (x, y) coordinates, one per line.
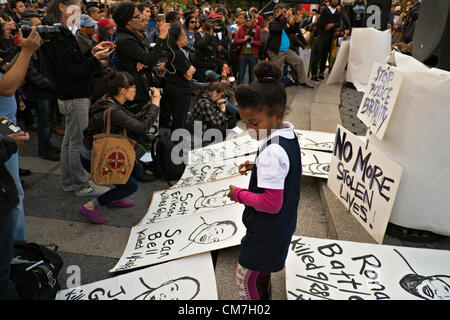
(17, 214)
(45, 120)
(250, 61)
(121, 191)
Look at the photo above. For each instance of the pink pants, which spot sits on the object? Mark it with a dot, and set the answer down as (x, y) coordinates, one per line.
(246, 282)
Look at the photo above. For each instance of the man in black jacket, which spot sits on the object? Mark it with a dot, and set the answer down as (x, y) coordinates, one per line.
(279, 45)
(329, 21)
(71, 73)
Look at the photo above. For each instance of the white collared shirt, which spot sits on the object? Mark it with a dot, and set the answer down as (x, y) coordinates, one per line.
(273, 162)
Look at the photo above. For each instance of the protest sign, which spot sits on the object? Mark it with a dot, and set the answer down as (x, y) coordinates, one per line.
(323, 269)
(181, 237)
(379, 99)
(316, 163)
(364, 180)
(190, 278)
(315, 140)
(172, 203)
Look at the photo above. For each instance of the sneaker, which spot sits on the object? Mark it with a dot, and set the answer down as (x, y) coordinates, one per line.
(92, 190)
(315, 79)
(321, 77)
(93, 215)
(120, 204)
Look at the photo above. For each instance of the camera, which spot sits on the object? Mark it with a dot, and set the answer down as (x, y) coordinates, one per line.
(7, 127)
(159, 89)
(46, 32)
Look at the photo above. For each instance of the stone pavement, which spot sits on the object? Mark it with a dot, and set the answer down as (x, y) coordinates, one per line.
(52, 215)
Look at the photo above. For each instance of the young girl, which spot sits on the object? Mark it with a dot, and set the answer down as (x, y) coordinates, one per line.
(271, 200)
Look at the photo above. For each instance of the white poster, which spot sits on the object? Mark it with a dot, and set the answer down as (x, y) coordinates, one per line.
(323, 269)
(367, 46)
(337, 74)
(379, 99)
(316, 163)
(315, 140)
(418, 139)
(241, 146)
(190, 278)
(365, 181)
(176, 238)
(172, 203)
(305, 55)
(200, 173)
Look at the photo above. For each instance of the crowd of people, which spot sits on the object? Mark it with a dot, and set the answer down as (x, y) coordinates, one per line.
(64, 62)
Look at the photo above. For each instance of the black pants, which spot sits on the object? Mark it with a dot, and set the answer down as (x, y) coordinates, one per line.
(174, 110)
(322, 48)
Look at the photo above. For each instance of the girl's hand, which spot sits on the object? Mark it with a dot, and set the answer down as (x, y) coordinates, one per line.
(244, 167)
(230, 193)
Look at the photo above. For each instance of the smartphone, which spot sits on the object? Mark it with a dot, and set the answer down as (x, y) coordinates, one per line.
(231, 79)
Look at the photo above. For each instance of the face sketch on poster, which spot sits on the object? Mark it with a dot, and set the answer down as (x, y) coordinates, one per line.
(315, 140)
(327, 269)
(315, 163)
(435, 287)
(195, 199)
(190, 278)
(167, 240)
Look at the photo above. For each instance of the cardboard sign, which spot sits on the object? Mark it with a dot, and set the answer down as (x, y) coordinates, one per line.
(191, 278)
(323, 269)
(316, 163)
(172, 203)
(195, 174)
(315, 140)
(176, 238)
(379, 99)
(365, 181)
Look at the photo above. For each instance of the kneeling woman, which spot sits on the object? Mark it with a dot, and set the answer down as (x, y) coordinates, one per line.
(121, 89)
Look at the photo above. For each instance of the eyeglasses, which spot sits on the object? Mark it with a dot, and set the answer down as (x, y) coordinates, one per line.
(193, 21)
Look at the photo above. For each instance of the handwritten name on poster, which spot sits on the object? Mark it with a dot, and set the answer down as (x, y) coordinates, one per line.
(365, 181)
(379, 99)
(190, 278)
(181, 237)
(172, 203)
(323, 269)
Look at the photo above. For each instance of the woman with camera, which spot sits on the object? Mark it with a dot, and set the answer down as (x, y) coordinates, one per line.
(178, 89)
(121, 88)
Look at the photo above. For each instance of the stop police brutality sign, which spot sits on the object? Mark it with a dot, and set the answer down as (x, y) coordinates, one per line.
(379, 99)
(364, 180)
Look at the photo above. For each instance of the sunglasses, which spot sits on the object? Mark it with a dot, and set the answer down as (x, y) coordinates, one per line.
(193, 21)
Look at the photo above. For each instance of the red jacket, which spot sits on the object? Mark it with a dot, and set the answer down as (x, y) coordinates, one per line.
(256, 43)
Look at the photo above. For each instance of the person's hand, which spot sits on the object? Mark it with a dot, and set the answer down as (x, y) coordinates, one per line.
(222, 103)
(22, 105)
(19, 138)
(246, 38)
(161, 67)
(155, 96)
(102, 54)
(32, 43)
(244, 167)
(230, 193)
(191, 70)
(329, 26)
(164, 30)
(140, 66)
(102, 46)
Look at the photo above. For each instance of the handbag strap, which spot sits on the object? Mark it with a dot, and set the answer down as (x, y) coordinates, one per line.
(107, 122)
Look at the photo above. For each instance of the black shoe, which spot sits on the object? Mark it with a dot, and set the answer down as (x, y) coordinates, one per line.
(24, 172)
(146, 176)
(315, 79)
(306, 85)
(321, 77)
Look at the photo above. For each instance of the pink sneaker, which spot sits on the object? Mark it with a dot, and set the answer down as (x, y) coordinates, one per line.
(93, 215)
(120, 204)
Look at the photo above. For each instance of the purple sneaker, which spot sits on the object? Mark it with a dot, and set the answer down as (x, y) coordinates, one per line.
(93, 215)
(120, 204)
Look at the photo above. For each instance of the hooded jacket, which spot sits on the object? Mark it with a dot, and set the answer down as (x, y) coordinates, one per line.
(135, 124)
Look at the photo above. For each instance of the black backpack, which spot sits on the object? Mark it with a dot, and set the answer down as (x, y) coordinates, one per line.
(163, 166)
(34, 271)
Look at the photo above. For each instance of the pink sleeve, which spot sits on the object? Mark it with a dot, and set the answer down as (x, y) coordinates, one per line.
(270, 201)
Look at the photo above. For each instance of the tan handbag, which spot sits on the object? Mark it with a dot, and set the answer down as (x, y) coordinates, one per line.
(113, 155)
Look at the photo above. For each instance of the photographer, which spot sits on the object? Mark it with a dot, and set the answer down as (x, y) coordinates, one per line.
(71, 73)
(249, 38)
(12, 218)
(223, 34)
(205, 44)
(329, 21)
(279, 45)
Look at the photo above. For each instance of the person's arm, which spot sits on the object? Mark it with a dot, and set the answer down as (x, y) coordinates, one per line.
(276, 26)
(270, 201)
(240, 36)
(257, 40)
(11, 81)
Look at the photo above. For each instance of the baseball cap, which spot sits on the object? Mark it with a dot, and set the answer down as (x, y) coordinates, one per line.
(86, 21)
(211, 76)
(103, 22)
